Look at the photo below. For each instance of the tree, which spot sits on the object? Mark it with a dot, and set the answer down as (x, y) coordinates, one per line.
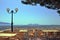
(50, 4)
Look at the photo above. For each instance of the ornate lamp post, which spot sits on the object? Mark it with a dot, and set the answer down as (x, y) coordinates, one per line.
(12, 12)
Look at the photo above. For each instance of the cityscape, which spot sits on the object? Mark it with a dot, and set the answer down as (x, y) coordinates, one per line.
(29, 19)
(30, 32)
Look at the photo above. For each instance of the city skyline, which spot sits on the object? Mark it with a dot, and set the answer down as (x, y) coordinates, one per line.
(28, 14)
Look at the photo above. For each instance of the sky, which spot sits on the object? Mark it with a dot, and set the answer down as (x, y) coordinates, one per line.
(28, 14)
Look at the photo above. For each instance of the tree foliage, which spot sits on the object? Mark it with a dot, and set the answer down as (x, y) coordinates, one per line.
(50, 4)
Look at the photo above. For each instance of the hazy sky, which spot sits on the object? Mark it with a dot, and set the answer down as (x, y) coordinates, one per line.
(28, 14)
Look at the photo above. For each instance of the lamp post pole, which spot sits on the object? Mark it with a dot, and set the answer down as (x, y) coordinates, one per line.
(11, 20)
(12, 12)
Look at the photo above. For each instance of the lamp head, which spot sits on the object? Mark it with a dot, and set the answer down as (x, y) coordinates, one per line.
(8, 10)
(12, 11)
(16, 9)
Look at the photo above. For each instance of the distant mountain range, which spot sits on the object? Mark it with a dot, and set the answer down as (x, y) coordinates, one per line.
(4, 23)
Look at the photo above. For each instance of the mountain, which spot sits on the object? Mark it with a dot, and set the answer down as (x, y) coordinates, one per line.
(4, 23)
(33, 24)
(37, 26)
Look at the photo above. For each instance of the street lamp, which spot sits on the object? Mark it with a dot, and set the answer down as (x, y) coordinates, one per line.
(12, 11)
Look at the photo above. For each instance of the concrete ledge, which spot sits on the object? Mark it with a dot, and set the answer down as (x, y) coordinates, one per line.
(7, 34)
